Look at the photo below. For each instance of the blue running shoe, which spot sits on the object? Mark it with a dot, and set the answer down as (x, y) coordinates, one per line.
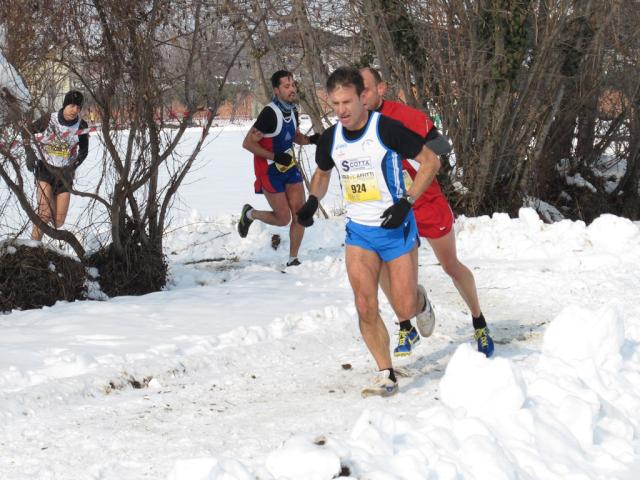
(406, 343)
(485, 342)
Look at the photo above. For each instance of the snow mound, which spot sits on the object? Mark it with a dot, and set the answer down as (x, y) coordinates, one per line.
(209, 469)
(305, 457)
(480, 385)
(579, 335)
(613, 233)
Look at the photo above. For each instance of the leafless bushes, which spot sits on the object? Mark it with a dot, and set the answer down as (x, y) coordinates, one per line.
(520, 86)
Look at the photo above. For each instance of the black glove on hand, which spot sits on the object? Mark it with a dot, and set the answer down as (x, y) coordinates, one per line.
(305, 214)
(313, 139)
(282, 158)
(396, 214)
(30, 159)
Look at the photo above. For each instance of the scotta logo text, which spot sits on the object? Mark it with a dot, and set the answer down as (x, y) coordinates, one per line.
(354, 165)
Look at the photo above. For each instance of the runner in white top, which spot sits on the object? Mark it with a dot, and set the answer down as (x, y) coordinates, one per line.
(60, 151)
(369, 172)
(367, 149)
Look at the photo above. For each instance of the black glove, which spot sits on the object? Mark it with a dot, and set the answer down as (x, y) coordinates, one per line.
(282, 158)
(30, 159)
(313, 139)
(395, 215)
(305, 214)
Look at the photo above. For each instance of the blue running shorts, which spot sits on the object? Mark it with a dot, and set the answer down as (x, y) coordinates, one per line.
(389, 244)
(276, 182)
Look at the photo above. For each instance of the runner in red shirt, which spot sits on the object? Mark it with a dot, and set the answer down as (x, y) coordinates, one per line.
(433, 216)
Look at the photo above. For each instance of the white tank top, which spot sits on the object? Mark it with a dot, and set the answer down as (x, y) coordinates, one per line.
(62, 149)
(370, 173)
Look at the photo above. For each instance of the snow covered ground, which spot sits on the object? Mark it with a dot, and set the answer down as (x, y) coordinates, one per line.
(242, 369)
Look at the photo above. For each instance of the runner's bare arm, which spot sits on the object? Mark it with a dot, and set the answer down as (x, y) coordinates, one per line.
(320, 183)
(251, 143)
(429, 166)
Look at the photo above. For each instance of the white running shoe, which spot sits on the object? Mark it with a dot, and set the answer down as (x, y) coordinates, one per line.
(425, 320)
(382, 386)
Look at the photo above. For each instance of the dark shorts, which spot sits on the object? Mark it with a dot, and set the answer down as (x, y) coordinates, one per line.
(60, 179)
(275, 181)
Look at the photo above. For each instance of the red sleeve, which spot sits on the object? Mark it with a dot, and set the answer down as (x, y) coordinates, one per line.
(416, 121)
(413, 119)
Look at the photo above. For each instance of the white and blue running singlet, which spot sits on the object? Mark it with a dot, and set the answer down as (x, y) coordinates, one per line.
(282, 137)
(370, 173)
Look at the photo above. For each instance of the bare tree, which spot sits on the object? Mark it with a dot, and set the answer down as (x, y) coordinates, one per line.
(517, 82)
(135, 59)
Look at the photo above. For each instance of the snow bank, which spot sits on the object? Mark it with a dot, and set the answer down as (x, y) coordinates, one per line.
(304, 457)
(570, 412)
(210, 468)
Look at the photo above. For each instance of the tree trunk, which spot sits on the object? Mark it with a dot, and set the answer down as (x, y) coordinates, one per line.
(316, 70)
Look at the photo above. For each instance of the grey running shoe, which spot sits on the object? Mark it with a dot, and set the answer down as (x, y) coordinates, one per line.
(425, 320)
(294, 263)
(245, 222)
(381, 386)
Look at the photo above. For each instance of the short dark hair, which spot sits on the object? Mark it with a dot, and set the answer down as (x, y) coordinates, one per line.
(344, 77)
(376, 74)
(275, 78)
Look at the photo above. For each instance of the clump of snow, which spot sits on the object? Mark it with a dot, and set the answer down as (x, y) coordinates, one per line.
(11, 244)
(611, 167)
(459, 188)
(529, 217)
(613, 233)
(482, 386)
(304, 456)
(210, 469)
(548, 212)
(92, 285)
(581, 335)
(579, 181)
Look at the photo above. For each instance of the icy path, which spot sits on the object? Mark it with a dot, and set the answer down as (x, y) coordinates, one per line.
(237, 358)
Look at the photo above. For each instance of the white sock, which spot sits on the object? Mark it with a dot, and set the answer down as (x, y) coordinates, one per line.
(291, 259)
(250, 214)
